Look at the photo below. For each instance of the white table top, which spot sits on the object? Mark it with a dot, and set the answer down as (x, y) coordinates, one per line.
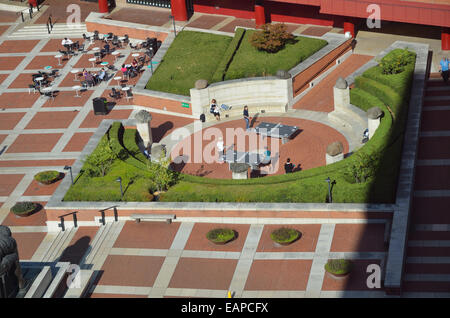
(76, 87)
(135, 54)
(74, 71)
(117, 78)
(126, 88)
(92, 59)
(115, 53)
(95, 48)
(58, 56)
(46, 89)
(127, 65)
(39, 78)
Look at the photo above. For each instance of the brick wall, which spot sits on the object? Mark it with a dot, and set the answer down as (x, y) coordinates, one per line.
(121, 31)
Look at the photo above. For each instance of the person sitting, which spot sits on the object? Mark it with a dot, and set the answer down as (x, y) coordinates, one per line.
(124, 70)
(101, 75)
(266, 156)
(289, 166)
(66, 43)
(106, 48)
(214, 109)
(90, 79)
(134, 65)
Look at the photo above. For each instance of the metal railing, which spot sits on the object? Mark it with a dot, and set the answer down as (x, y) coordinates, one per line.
(102, 213)
(75, 221)
(28, 11)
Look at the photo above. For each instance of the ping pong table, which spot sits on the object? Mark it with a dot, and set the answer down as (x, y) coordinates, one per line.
(284, 132)
(252, 158)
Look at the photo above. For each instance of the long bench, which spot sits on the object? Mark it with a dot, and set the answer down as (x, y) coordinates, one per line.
(236, 111)
(167, 217)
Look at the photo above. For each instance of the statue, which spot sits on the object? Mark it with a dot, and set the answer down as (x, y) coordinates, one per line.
(11, 279)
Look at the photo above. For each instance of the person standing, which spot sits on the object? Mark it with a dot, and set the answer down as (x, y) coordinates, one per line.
(66, 43)
(444, 69)
(246, 118)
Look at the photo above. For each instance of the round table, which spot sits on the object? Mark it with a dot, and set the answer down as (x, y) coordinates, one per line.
(48, 67)
(104, 63)
(93, 61)
(75, 72)
(126, 88)
(127, 65)
(135, 54)
(116, 54)
(39, 79)
(76, 88)
(59, 56)
(117, 78)
(95, 49)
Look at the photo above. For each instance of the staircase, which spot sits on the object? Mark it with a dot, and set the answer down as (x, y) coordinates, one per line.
(427, 270)
(59, 30)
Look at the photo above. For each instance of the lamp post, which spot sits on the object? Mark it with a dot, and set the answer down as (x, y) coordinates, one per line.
(174, 28)
(328, 180)
(71, 175)
(119, 179)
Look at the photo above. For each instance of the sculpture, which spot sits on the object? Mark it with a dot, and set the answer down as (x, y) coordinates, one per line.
(11, 278)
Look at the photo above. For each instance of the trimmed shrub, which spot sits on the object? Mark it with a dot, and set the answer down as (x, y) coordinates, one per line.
(284, 235)
(24, 208)
(221, 70)
(364, 100)
(221, 236)
(47, 177)
(271, 38)
(338, 266)
(396, 61)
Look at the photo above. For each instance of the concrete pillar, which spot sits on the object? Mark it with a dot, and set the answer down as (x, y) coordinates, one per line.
(103, 6)
(143, 119)
(374, 115)
(199, 97)
(445, 39)
(239, 170)
(260, 15)
(179, 10)
(341, 93)
(350, 27)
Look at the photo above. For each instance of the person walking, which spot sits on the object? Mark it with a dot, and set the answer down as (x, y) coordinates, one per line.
(246, 118)
(445, 69)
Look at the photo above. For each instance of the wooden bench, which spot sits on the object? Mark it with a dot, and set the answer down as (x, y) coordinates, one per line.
(167, 217)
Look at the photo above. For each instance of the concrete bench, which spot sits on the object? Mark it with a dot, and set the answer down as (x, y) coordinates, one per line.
(237, 111)
(167, 217)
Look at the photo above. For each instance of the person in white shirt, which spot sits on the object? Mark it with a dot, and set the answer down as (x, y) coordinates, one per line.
(66, 43)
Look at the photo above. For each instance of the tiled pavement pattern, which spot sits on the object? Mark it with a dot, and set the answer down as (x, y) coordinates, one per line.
(428, 254)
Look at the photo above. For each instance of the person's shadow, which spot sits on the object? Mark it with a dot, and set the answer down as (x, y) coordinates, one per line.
(74, 253)
(159, 132)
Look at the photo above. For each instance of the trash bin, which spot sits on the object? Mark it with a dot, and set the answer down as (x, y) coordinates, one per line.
(99, 104)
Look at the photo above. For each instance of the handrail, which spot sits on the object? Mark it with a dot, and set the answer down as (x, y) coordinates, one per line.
(102, 212)
(75, 221)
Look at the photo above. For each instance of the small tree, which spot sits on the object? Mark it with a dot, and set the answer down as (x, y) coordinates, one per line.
(161, 175)
(271, 38)
(363, 167)
(99, 162)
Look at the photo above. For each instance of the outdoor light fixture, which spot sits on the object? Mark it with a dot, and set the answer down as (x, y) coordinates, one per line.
(71, 175)
(119, 179)
(328, 180)
(174, 28)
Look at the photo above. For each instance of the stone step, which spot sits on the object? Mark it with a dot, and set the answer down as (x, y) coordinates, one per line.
(97, 243)
(59, 248)
(84, 282)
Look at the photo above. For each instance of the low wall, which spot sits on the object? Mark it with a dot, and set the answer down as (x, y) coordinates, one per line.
(164, 102)
(301, 80)
(254, 91)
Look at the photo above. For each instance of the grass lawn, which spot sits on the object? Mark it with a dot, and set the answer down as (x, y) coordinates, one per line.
(250, 62)
(192, 56)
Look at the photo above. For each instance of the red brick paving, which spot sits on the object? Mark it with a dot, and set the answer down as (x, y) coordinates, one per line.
(37, 219)
(3, 29)
(18, 100)
(307, 148)
(100, 295)
(51, 120)
(57, 8)
(3, 77)
(206, 21)
(149, 17)
(36, 163)
(77, 142)
(36, 188)
(121, 270)
(8, 16)
(68, 99)
(202, 273)
(8, 183)
(2, 137)
(10, 62)
(435, 120)
(79, 244)
(306, 243)
(320, 97)
(69, 80)
(34, 143)
(39, 62)
(9, 120)
(147, 235)
(430, 210)
(83, 62)
(278, 275)
(53, 45)
(358, 238)
(316, 31)
(238, 22)
(198, 241)
(355, 280)
(23, 80)
(434, 148)
(93, 121)
(432, 178)
(14, 46)
(28, 243)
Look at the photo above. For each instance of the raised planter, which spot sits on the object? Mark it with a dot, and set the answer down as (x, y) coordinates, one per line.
(338, 268)
(221, 236)
(284, 236)
(24, 209)
(48, 177)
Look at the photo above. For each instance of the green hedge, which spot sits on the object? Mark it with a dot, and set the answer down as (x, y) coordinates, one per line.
(219, 75)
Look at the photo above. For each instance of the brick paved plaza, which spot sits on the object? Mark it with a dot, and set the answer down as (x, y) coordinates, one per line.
(156, 259)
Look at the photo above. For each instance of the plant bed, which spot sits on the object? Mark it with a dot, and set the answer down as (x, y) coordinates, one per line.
(285, 236)
(221, 236)
(23, 209)
(48, 177)
(338, 268)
